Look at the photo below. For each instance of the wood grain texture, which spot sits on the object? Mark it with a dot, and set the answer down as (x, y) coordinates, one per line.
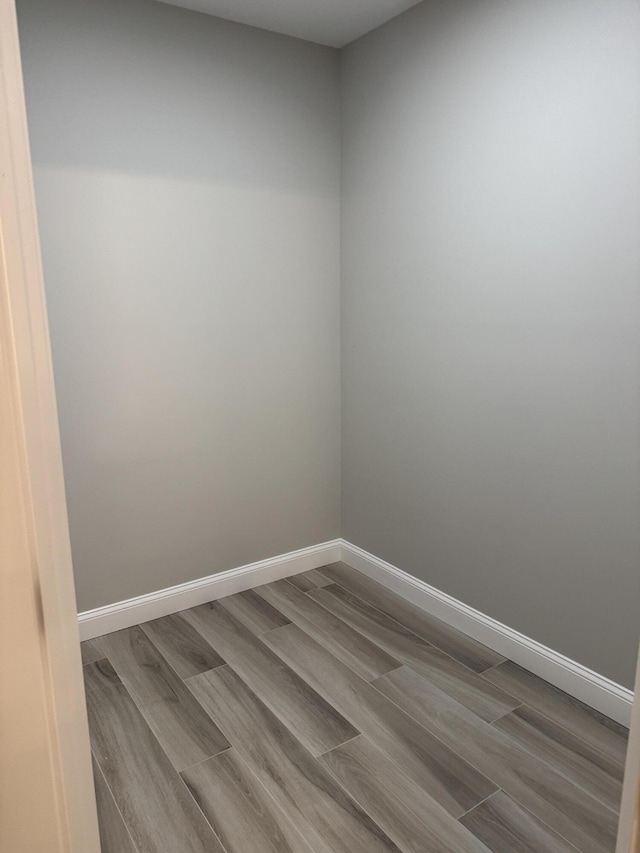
(570, 811)
(401, 808)
(186, 651)
(313, 579)
(338, 726)
(323, 813)
(480, 696)
(315, 722)
(349, 646)
(603, 733)
(114, 835)
(574, 758)
(156, 806)
(437, 769)
(465, 650)
(185, 731)
(91, 651)
(242, 813)
(505, 827)
(254, 612)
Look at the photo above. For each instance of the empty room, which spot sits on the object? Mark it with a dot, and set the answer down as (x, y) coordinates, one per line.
(319, 333)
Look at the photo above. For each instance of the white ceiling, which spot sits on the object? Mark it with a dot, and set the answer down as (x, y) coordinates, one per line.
(331, 22)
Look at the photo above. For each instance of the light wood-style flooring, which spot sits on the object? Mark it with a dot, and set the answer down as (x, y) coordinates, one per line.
(323, 714)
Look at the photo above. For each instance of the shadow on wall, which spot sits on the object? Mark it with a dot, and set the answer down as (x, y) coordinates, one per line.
(143, 87)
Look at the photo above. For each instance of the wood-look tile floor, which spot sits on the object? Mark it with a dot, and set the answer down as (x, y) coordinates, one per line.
(323, 714)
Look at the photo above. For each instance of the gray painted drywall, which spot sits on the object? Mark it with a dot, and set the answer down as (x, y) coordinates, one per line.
(491, 323)
(187, 181)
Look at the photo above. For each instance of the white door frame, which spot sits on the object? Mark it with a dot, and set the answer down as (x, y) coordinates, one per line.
(629, 825)
(47, 800)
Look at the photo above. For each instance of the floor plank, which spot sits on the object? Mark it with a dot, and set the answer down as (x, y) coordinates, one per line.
(177, 720)
(537, 786)
(157, 808)
(114, 835)
(401, 808)
(605, 734)
(323, 813)
(254, 612)
(505, 827)
(242, 813)
(465, 650)
(576, 759)
(182, 647)
(476, 693)
(446, 777)
(349, 646)
(90, 651)
(324, 714)
(313, 579)
(315, 722)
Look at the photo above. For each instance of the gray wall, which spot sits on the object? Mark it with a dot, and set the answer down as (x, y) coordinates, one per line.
(491, 323)
(187, 180)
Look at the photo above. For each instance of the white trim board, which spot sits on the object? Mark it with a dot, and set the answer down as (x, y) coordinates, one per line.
(133, 611)
(591, 688)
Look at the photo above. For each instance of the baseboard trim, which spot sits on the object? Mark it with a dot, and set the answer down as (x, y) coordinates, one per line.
(591, 688)
(125, 614)
(595, 690)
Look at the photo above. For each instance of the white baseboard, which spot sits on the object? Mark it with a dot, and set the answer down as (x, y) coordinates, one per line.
(125, 614)
(594, 690)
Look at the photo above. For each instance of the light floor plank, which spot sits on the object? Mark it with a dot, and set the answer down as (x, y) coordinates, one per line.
(323, 813)
(349, 646)
(114, 835)
(603, 733)
(439, 771)
(505, 827)
(401, 808)
(574, 758)
(313, 579)
(465, 650)
(465, 685)
(157, 808)
(242, 813)
(254, 612)
(91, 651)
(570, 811)
(185, 731)
(314, 721)
(183, 648)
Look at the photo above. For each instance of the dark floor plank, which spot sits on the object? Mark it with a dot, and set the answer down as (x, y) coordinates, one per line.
(438, 770)
(114, 835)
(465, 650)
(312, 579)
(91, 651)
(158, 810)
(307, 715)
(603, 733)
(505, 827)
(480, 696)
(323, 813)
(351, 647)
(576, 759)
(401, 808)
(242, 813)
(181, 645)
(185, 731)
(570, 811)
(254, 612)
